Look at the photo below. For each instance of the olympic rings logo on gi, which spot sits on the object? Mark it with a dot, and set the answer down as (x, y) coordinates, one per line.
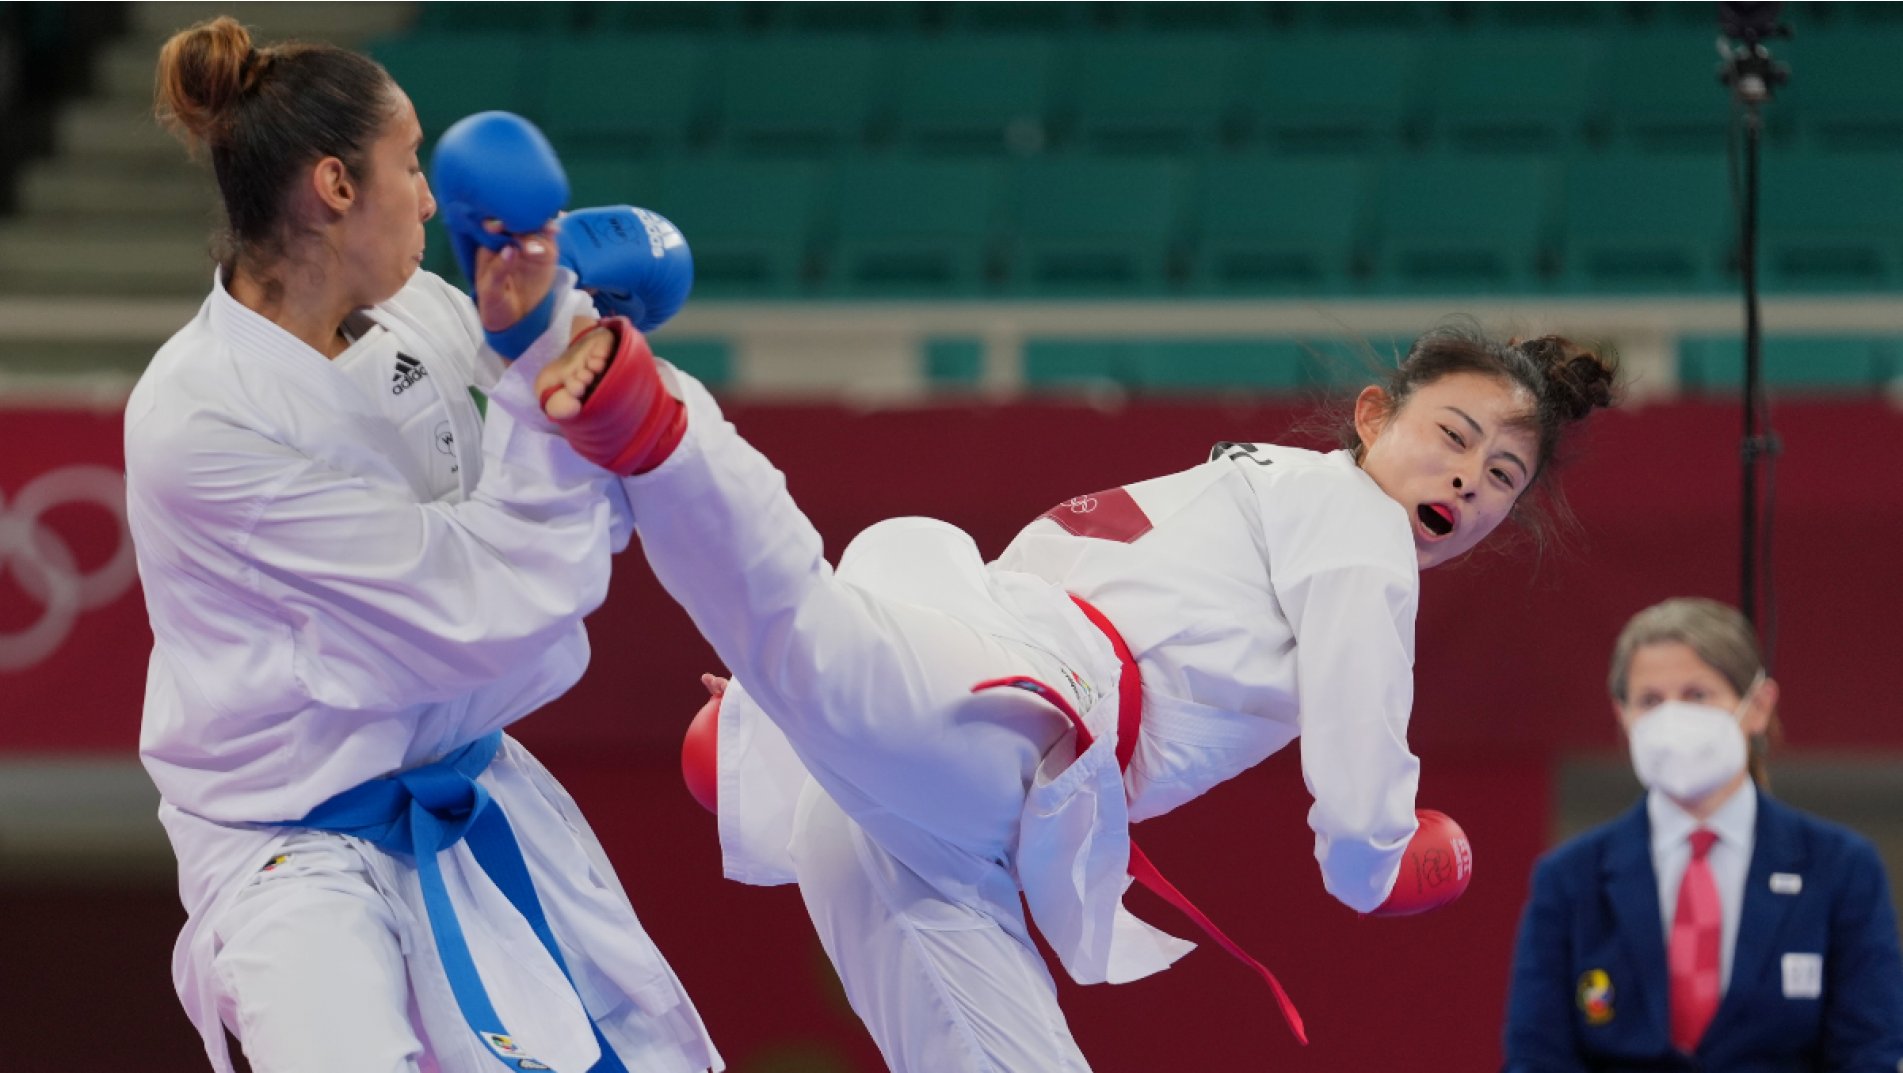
(44, 566)
(1081, 504)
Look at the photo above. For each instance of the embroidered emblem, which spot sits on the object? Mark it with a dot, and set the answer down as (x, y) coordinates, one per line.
(1231, 450)
(502, 1045)
(1595, 996)
(1111, 515)
(408, 372)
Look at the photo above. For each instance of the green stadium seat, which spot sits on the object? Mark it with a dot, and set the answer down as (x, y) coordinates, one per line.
(708, 360)
(1849, 97)
(1791, 364)
(1191, 16)
(452, 17)
(1203, 366)
(1149, 94)
(1218, 366)
(843, 16)
(665, 18)
(1663, 94)
(954, 361)
(1512, 92)
(1385, 16)
(1342, 365)
(1277, 225)
(1341, 93)
(449, 76)
(652, 91)
(1639, 223)
(1832, 223)
(748, 222)
(627, 181)
(1679, 15)
(1014, 16)
(1552, 15)
(1462, 224)
(1076, 364)
(807, 95)
(1093, 226)
(1166, 366)
(983, 94)
(914, 227)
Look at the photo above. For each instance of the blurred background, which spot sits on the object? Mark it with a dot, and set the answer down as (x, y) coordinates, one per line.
(970, 260)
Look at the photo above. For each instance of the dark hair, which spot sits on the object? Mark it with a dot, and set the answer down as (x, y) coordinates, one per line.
(1566, 381)
(265, 115)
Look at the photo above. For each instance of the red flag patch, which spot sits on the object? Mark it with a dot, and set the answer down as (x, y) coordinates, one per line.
(1111, 515)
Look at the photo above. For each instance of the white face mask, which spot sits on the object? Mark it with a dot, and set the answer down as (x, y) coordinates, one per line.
(1688, 750)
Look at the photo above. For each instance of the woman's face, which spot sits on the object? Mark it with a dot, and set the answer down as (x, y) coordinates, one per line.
(1673, 670)
(383, 233)
(1457, 455)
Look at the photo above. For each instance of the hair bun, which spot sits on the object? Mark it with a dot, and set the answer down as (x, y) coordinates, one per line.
(203, 71)
(1578, 381)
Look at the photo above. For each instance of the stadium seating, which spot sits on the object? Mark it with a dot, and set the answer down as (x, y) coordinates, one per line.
(915, 227)
(1642, 223)
(1210, 150)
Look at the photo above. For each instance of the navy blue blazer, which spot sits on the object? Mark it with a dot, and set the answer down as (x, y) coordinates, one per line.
(1589, 988)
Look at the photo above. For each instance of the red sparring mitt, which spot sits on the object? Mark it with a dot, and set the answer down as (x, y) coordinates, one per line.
(628, 422)
(700, 755)
(1435, 869)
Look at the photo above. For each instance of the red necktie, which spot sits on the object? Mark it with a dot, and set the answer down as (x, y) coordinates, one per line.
(1694, 949)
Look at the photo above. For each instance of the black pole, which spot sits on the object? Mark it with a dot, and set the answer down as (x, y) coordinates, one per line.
(1752, 75)
(1753, 365)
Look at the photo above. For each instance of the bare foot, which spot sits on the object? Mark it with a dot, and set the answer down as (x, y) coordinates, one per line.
(564, 383)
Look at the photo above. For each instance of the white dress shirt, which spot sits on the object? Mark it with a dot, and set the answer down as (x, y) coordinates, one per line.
(1735, 824)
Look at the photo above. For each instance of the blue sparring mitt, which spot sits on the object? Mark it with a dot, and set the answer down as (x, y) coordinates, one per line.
(633, 260)
(494, 166)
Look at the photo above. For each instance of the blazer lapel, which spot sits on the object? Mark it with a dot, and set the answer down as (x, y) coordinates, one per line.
(1778, 847)
(1633, 889)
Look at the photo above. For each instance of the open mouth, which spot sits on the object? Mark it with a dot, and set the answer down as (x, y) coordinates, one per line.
(1436, 519)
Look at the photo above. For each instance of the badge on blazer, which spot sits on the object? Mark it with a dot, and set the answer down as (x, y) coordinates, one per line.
(1595, 996)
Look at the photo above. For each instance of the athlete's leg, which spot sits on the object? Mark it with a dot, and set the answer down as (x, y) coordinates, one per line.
(873, 692)
(943, 987)
(311, 968)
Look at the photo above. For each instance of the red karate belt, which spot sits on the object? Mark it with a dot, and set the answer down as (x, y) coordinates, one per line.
(1129, 720)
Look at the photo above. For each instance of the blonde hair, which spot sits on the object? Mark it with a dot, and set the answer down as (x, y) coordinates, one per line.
(1718, 634)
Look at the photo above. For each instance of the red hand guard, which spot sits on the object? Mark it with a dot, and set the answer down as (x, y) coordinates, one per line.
(700, 756)
(1435, 869)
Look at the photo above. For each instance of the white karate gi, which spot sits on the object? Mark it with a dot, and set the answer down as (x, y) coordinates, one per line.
(1272, 594)
(350, 573)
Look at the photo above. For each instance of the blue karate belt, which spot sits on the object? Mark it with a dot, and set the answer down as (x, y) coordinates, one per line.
(424, 811)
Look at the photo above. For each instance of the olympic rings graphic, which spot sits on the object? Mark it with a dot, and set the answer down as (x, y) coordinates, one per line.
(1081, 504)
(45, 567)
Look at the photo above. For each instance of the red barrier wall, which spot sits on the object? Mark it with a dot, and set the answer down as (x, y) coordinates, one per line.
(1510, 668)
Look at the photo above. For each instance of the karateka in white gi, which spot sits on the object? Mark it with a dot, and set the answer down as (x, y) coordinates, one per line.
(1264, 595)
(350, 573)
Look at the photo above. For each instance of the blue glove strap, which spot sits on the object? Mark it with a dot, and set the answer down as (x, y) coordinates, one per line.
(510, 342)
(424, 811)
(466, 234)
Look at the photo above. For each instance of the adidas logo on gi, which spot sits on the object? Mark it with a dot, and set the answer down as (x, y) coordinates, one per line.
(408, 372)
